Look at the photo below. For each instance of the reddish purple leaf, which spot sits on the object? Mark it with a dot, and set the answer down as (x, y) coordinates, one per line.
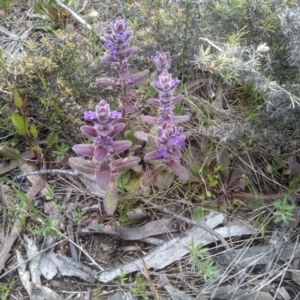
(128, 51)
(103, 176)
(139, 77)
(178, 170)
(180, 119)
(120, 146)
(109, 81)
(82, 165)
(151, 176)
(109, 58)
(176, 153)
(100, 153)
(124, 164)
(175, 99)
(155, 102)
(141, 135)
(89, 130)
(152, 156)
(149, 120)
(117, 128)
(129, 108)
(84, 149)
(125, 75)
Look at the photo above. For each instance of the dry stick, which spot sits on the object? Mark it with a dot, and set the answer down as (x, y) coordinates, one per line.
(19, 223)
(78, 18)
(191, 222)
(261, 197)
(70, 224)
(53, 171)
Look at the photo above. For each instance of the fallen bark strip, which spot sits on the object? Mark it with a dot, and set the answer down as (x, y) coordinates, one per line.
(137, 233)
(6, 246)
(258, 255)
(200, 224)
(174, 250)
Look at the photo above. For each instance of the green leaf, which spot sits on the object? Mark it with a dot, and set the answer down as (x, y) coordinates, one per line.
(123, 179)
(37, 8)
(19, 124)
(51, 139)
(31, 207)
(195, 168)
(44, 84)
(33, 131)
(10, 153)
(36, 148)
(1, 59)
(111, 199)
(18, 100)
(133, 183)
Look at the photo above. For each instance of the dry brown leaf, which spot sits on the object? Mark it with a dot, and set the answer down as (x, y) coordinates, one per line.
(230, 292)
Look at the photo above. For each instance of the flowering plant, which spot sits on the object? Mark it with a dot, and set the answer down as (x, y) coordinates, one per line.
(169, 140)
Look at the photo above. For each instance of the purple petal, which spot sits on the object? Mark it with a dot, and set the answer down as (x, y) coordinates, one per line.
(84, 149)
(103, 176)
(100, 153)
(82, 165)
(162, 153)
(120, 146)
(109, 81)
(89, 130)
(178, 170)
(89, 115)
(124, 164)
(115, 115)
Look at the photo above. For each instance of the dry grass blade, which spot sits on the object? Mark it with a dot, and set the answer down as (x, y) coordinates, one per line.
(38, 184)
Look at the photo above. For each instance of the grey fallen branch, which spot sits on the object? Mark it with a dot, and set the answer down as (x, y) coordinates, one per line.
(201, 224)
(53, 171)
(258, 255)
(174, 250)
(137, 233)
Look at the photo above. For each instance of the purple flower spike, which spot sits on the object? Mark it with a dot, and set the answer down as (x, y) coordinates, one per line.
(165, 83)
(162, 62)
(119, 25)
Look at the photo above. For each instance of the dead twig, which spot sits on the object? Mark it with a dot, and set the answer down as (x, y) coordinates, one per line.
(75, 15)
